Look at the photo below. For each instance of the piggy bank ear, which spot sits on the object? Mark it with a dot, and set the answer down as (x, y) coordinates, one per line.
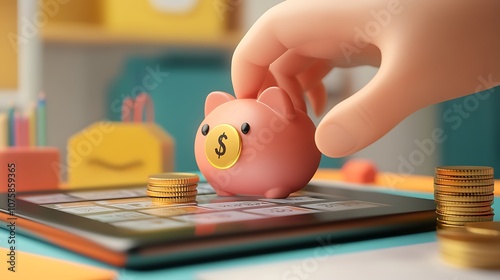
(215, 99)
(278, 100)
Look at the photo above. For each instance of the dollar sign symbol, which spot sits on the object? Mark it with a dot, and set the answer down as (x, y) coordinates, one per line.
(222, 147)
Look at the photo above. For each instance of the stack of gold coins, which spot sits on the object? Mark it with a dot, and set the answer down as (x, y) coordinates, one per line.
(475, 245)
(173, 187)
(463, 194)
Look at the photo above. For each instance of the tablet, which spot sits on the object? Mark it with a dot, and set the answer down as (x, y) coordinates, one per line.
(124, 228)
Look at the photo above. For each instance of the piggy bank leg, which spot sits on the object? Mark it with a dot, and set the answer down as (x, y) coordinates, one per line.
(277, 193)
(223, 193)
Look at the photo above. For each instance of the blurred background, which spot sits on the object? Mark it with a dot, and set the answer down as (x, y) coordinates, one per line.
(87, 55)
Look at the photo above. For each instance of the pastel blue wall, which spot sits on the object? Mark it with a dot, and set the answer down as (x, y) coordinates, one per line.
(472, 127)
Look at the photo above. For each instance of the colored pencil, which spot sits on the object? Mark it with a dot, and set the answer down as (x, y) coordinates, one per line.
(127, 108)
(41, 120)
(11, 125)
(4, 130)
(32, 125)
(25, 131)
(143, 105)
(18, 135)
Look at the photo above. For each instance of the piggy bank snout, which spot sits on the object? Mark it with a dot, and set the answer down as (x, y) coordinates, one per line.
(223, 146)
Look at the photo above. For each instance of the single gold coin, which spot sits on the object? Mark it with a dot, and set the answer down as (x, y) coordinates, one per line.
(465, 189)
(464, 170)
(223, 146)
(464, 219)
(480, 209)
(464, 177)
(442, 196)
(463, 204)
(173, 189)
(456, 223)
(171, 194)
(457, 213)
(462, 213)
(484, 228)
(174, 178)
(174, 199)
(167, 185)
(465, 183)
(444, 226)
(452, 223)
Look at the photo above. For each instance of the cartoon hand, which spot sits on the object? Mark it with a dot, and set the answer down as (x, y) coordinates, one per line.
(428, 52)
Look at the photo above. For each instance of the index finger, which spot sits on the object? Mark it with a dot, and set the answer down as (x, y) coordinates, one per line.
(287, 25)
(252, 57)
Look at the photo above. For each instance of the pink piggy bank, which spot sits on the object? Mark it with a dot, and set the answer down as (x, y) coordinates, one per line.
(261, 146)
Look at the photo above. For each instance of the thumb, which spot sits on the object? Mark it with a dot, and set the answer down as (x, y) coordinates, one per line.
(370, 113)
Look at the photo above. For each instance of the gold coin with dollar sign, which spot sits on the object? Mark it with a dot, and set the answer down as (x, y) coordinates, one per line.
(223, 146)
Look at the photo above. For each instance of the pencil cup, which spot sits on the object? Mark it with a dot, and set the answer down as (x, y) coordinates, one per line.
(29, 169)
(118, 153)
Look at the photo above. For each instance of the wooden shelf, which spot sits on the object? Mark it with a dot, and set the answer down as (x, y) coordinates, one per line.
(95, 35)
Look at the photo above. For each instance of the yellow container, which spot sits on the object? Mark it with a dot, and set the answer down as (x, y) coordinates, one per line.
(176, 18)
(118, 153)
